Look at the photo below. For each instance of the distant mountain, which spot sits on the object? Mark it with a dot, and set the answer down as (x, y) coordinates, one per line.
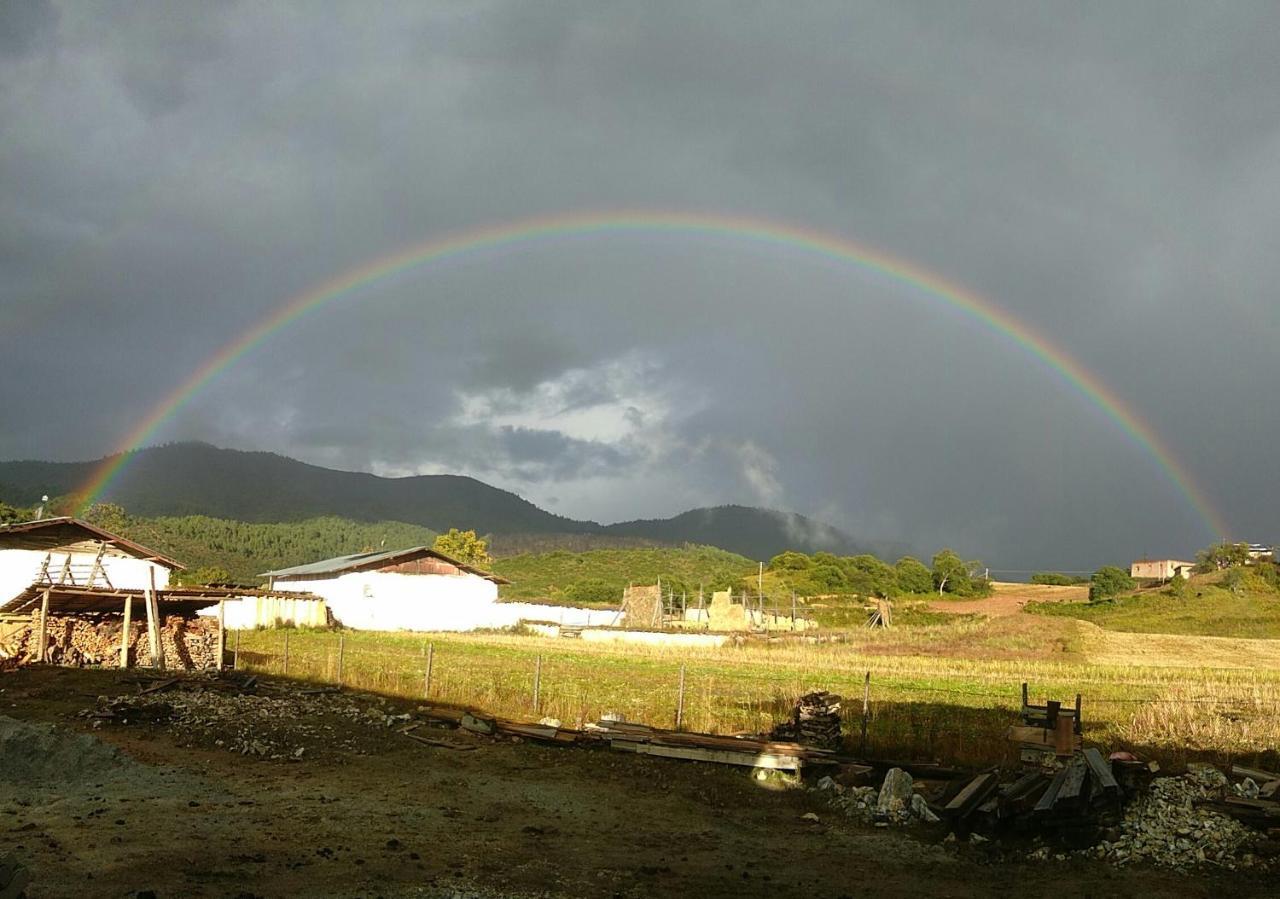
(199, 479)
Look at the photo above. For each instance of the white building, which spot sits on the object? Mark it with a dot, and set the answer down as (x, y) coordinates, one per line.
(73, 553)
(1160, 569)
(416, 589)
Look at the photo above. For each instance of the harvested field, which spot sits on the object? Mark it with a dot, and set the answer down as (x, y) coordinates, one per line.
(944, 692)
(366, 812)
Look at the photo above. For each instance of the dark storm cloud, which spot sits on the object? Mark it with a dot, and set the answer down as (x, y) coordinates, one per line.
(1110, 174)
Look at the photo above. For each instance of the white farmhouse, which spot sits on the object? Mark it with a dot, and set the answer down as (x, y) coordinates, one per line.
(68, 552)
(414, 589)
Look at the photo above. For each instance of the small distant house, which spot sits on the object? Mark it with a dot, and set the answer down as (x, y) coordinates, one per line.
(1160, 569)
(408, 589)
(1261, 551)
(68, 552)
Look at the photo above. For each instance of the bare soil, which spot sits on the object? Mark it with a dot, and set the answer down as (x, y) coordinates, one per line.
(365, 811)
(1009, 599)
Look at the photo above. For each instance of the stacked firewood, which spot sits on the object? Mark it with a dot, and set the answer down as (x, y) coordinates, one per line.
(188, 643)
(815, 721)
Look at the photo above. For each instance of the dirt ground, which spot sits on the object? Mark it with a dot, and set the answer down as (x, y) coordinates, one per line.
(1009, 598)
(229, 807)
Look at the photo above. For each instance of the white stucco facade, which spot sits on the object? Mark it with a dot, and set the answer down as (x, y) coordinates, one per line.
(390, 601)
(20, 568)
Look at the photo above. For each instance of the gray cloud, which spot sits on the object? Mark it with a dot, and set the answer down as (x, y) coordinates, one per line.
(170, 174)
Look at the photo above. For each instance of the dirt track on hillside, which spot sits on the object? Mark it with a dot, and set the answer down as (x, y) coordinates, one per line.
(367, 812)
(1009, 599)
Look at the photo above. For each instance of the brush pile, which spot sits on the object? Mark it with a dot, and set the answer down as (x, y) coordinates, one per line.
(815, 721)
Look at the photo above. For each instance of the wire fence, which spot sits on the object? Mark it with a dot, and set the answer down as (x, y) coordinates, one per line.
(712, 694)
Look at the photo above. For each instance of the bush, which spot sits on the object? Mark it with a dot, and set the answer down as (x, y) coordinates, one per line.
(592, 590)
(1057, 579)
(1109, 581)
(913, 576)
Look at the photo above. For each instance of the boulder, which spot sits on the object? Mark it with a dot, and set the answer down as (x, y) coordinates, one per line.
(897, 785)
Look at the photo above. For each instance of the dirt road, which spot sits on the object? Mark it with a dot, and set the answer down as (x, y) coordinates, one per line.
(329, 800)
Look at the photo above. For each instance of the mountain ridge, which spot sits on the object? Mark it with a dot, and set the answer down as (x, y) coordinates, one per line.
(257, 486)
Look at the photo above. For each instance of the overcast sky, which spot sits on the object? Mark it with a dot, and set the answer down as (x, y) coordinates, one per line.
(1107, 173)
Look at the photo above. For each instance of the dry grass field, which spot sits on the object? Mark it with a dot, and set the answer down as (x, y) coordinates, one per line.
(943, 691)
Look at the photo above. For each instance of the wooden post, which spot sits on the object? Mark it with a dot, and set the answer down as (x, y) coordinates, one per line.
(341, 640)
(866, 712)
(793, 610)
(235, 654)
(124, 634)
(42, 644)
(537, 682)
(286, 654)
(153, 625)
(426, 678)
(680, 700)
(222, 632)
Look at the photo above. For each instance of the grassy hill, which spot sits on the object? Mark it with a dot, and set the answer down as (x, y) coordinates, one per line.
(1204, 609)
(246, 549)
(599, 576)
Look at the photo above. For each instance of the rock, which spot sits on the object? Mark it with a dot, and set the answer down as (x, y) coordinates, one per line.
(811, 817)
(921, 809)
(549, 722)
(1249, 788)
(897, 785)
(827, 783)
(977, 838)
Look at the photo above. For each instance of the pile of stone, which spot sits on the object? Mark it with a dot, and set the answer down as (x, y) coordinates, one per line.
(815, 721)
(188, 644)
(1169, 826)
(895, 802)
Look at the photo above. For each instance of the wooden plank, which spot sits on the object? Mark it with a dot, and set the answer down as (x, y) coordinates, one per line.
(1074, 784)
(222, 632)
(1258, 775)
(719, 756)
(42, 644)
(1101, 770)
(446, 744)
(973, 793)
(1050, 796)
(124, 633)
(153, 624)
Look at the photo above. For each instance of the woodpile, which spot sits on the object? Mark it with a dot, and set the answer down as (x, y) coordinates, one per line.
(815, 721)
(188, 643)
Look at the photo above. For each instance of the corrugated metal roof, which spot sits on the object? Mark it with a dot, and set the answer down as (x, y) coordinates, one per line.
(341, 564)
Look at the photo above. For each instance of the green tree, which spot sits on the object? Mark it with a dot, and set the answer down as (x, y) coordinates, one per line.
(790, 561)
(108, 516)
(465, 547)
(912, 575)
(1056, 579)
(1222, 555)
(952, 574)
(205, 574)
(13, 514)
(592, 590)
(1109, 581)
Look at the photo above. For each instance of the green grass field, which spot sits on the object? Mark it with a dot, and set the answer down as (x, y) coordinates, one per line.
(1204, 610)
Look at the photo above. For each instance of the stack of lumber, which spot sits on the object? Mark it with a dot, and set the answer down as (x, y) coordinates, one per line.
(188, 643)
(815, 721)
(751, 752)
(1081, 796)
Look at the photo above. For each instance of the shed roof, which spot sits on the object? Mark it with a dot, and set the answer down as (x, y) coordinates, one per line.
(58, 529)
(370, 560)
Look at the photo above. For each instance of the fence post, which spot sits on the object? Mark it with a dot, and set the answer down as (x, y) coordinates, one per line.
(866, 711)
(286, 654)
(680, 700)
(341, 641)
(426, 678)
(537, 682)
(235, 653)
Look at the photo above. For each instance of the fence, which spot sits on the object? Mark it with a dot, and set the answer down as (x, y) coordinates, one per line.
(959, 719)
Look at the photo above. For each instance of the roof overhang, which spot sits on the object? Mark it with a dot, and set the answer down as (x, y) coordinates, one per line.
(66, 522)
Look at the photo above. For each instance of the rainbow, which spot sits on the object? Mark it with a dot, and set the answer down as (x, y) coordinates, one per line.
(764, 232)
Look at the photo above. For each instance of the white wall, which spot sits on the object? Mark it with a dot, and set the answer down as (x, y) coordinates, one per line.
(19, 568)
(386, 601)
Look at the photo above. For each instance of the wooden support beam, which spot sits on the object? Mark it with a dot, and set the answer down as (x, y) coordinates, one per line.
(768, 760)
(1101, 771)
(972, 795)
(222, 632)
(124, 632)
(42, 645)
(153, 625)
(1050, 796)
